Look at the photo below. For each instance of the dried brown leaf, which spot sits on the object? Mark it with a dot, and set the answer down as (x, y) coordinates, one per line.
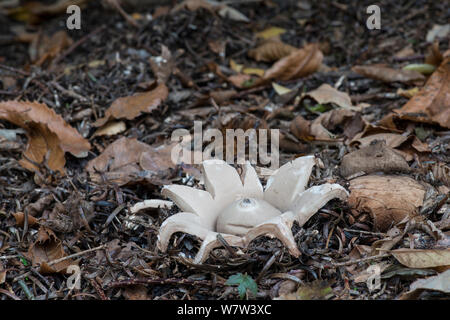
(375, 157)
(388, 199)
(45, 249)
(49, 136)
(298, 64)
(329, 121)
(128, 160)
(432, 103)
(422, 258)
(133, 106)
(271, 51)
(327, 94)
(386, 74)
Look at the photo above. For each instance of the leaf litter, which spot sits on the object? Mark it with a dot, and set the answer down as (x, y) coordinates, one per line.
(233, 66)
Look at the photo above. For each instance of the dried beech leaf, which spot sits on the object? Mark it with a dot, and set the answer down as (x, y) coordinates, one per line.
(375, 157)
(110, 129)
(327, 94)
(432, 103)
(388, 199)
(298, 64)
(271, 51)
(329, 121)
(20, 219)
(300, 127)
(422, 258)
(35, 11)
(49, 135)
(48, 48)
(133, 106)
(46, 248)
(128, 160)
(386, 74)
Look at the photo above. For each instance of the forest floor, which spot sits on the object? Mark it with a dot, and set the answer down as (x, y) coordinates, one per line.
(193, 64)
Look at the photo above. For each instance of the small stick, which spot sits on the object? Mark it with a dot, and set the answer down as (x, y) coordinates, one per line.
(99, 290)
(75, 255)
(171, 281)
(9, 294)
(348, 263)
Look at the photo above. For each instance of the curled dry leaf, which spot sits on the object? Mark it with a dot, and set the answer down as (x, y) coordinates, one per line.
(110, 129)
(133, 106)
(20, 219)
(422, 258)
(432, 103)
(375, 157)
(300, 127)
(300, 63)
(271, 51)
(407, 146)
(388, 199)
(128, 160)
(386, 74)
(49, 136)
(45, 48)
(45, 249)
(329, 121)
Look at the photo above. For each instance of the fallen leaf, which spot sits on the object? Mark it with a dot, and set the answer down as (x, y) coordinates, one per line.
(422, 258)
(316, 290)
(271, 51)
(47, 48)
(388, 199)
(440, 282)
(270, 32)
(49, 136)
(128, 160)
(375, 157)
(386, 74)
(253, 71)
(45, 249)
(327, 94)
(133, 106)
(329, 121)
(300, 127)
(20, 219)
(137, 292)
(279, 89)
(110, 129)
(438, 31)
(298, 64)
(432, 103)
(232, 14)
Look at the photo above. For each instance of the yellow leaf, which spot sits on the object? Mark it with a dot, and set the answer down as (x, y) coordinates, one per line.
(235, 66)
(280, 90)
(270, 32)
(255, 71)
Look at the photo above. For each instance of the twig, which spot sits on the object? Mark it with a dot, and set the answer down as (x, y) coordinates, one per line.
(75, 255)
(268, 264)
(170, 281)
(9, 294)
(25, 288)
(366, 232)
(348, 263)
(99, 290)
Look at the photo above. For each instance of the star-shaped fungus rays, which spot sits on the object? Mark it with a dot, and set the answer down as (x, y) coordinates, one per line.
(241, 210)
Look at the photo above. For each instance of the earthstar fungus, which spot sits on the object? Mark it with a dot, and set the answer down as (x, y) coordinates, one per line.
(241, 210)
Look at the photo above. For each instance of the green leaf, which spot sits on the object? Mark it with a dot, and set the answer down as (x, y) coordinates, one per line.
(244, 282)
(318, 108)
(423, 68)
